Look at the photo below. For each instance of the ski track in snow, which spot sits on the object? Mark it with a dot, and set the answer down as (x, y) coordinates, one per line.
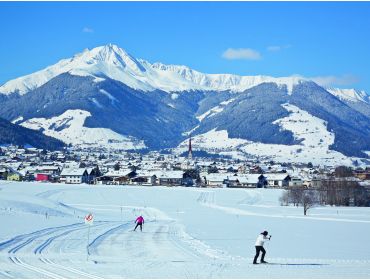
(166, 248)
(37, 242)
(39, 270)
(165, 243)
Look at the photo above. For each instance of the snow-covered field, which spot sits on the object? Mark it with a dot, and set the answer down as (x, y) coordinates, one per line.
(188, 233)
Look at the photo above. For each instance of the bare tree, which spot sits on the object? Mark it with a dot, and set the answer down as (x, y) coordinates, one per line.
(284, 198)
(343, 171)
(310, 198)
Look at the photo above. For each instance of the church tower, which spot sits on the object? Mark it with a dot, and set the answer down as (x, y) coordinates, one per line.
(190, 151)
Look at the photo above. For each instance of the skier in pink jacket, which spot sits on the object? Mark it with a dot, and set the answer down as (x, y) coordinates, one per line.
(139, 222)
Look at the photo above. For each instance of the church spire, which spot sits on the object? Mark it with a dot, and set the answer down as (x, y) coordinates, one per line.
(190, 151)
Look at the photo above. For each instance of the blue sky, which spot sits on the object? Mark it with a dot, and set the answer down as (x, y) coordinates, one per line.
(328, 41)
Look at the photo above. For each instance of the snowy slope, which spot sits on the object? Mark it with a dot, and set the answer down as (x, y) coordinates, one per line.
(312, 132)
(69, 127)
(193, 233)
(115, 63)
(350, 94)
(215, 110)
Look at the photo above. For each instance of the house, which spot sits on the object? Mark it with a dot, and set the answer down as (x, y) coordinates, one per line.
(216, 180)
(247, 181)
(170, 178)
(104, 180)
(363, 174)
(92, 174)
(278, 180)
(40, 177)
(48, 169)
(118, 177)
(14, 176)
(74, 176)
(145, 178)
(29, 177)
(3, 173)
(296, 182)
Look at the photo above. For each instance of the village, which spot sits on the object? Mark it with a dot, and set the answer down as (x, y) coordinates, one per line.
(83, 166)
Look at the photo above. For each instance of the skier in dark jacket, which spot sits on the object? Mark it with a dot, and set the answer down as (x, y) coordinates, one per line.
(259, 246)
(139, 222)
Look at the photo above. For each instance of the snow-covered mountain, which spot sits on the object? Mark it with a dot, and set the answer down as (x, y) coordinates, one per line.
(115, 63)
(105, 95)
(352, 95)
(311, 132)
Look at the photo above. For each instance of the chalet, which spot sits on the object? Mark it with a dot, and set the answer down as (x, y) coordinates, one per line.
(104, 180)
(92, 174)
(45, 173)
(74, 176)
(216, 180)
(48, 169)
(118, 177)
(247, 181)
(144, 178)
(170, 178)
(278, 180)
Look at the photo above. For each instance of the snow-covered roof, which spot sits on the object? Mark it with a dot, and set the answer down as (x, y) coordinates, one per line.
(178, 174)
(146, 173)
(47, 167)
(73, 172)
(118, 173)
(247, 178)
(218, 177)
(276, 176)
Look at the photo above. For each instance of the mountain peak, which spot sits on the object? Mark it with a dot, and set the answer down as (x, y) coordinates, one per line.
(112, 55)
(115, 63)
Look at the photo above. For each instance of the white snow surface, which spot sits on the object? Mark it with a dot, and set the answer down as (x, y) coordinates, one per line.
(116, 63)
(350, 94)
(215, 110)
(16, 120)
(111, 97)
(69, 127)
(311, 131)
(192, 233)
